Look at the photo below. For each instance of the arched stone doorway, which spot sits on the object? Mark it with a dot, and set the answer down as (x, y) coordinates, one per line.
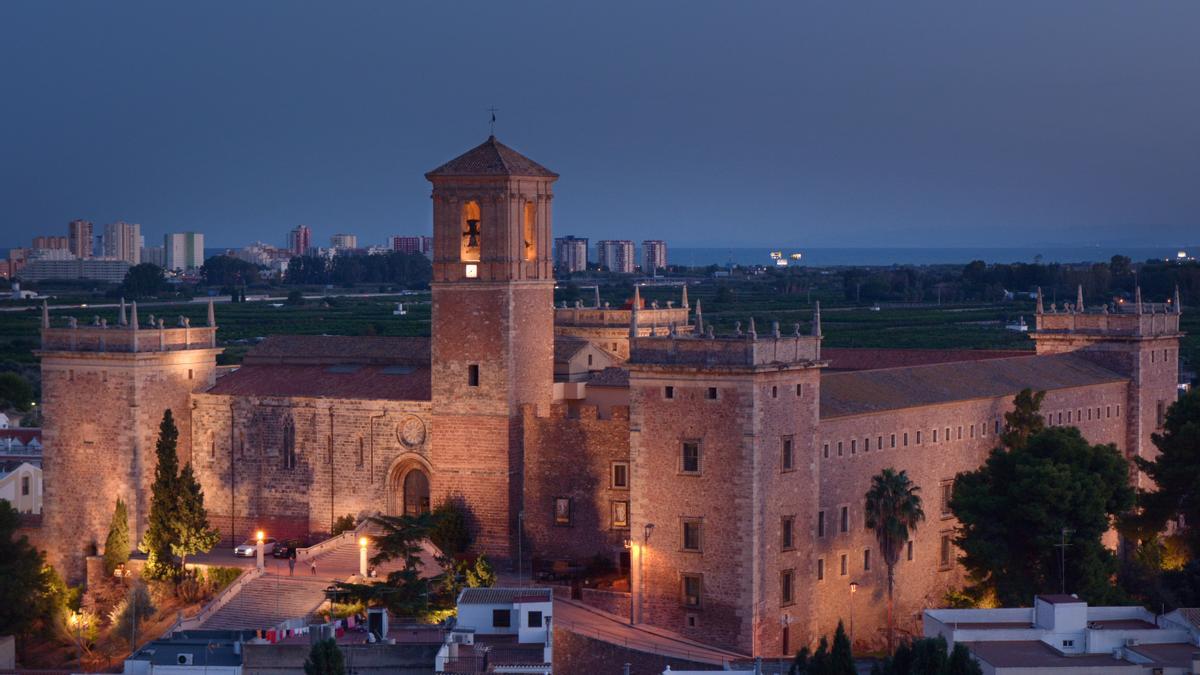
(408, 487)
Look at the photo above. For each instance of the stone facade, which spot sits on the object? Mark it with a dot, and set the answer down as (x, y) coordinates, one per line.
(729, 471)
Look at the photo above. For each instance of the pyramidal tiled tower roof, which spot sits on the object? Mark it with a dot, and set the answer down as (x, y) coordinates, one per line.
(492, 158)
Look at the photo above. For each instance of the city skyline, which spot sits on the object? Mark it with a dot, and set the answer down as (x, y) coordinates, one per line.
(792, 126)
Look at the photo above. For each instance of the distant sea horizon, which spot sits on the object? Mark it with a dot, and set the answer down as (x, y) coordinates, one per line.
(702, 256)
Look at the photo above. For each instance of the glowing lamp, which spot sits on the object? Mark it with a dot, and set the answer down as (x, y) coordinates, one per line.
(853, 586)
(362, 541)
(259, 535)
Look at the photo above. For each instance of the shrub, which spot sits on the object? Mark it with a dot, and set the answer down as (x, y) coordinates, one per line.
(136, 608)
(343, 524)
(219, 578)
(481, 574)
(190, 590)
(117, 544)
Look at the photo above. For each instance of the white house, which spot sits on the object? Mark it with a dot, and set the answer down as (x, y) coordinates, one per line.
(1062, 634)
(21, 486)
(207, 652)
(4, 421)
(501, 630)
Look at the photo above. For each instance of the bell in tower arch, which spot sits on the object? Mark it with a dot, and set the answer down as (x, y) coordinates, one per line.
(470, 232)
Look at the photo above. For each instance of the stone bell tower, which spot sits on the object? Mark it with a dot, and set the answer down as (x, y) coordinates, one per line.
(493, 330)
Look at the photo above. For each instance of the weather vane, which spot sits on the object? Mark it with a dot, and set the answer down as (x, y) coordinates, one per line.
(493, 110)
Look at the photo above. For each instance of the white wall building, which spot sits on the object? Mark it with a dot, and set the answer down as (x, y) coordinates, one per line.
(654, 255)
(1062, 634)
(184, 250)
(21, 486)
(501, 630)
(616, 255)
(123, 241)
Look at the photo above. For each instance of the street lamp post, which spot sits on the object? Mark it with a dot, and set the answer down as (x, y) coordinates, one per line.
(362, 556)
(853, 590)
(629, 547)
(646, 530)
(258, 537)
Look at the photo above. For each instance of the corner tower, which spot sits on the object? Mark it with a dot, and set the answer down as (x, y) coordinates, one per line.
(493, 329)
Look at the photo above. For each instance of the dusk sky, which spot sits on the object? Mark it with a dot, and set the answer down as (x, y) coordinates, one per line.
(706, 124)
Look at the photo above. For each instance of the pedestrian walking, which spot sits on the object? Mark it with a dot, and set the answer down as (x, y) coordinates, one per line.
(291, 565)
(314, 568)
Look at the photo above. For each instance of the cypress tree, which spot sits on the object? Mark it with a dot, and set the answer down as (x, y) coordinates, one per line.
(116, 545)
(325, 659)
(841, 660)
(164, 502)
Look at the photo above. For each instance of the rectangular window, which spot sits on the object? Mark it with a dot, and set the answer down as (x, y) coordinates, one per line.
(947, 434)
(853, 446)
(997, 431)
(844, 519)
(906, 439)
(1089, 414)
(691, 590)
(712, 393)
(24, 486)
(825, 450)
(501, 618)
(1060, 418)
(959, 437)
(820, 569)
(1107, 411)
(866, 560)
(820, 523)
(473, 375)
(893, 444)
(668, 392)
(918, 438)
(689, 458)
(1161, 414)
(908, 550)
(947, 492)
(845, 565)
(799, 390)
(787, 527)
(787, 459)
(785, 587)
(839, 448)
(189, 373)
(620, 475)
(1118, 410)
(534, 619)
(935, 436)
(944, 556)
(691, 535)
(879, 443)
(562, 511)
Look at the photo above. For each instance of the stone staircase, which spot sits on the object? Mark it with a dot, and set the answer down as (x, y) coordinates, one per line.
(269, 600)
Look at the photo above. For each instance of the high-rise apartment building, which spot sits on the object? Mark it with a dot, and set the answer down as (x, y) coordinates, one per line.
(654, 255)
(184, 250)
(155, 255)
(122, 241)
(343, 241)
(50, 242)
(79, 236)
(403, 244)
(615, 255)
(300, 240)
(571, 253)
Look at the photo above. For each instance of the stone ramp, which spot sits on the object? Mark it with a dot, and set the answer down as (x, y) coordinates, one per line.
(269, 600)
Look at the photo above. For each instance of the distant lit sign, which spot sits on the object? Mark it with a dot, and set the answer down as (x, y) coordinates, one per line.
(472, 271)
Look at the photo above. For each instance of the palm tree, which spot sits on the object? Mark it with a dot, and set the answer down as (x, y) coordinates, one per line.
(893, 511)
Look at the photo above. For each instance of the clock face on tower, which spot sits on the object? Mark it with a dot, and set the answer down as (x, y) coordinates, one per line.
(411, 431)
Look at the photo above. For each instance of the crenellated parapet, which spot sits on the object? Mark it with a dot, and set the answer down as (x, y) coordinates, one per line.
(127, 335)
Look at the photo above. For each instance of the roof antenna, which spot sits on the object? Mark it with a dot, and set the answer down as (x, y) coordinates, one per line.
(493, 110)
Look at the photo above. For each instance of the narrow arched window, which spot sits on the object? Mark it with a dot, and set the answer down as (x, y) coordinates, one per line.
(472, 233)
(530, 231)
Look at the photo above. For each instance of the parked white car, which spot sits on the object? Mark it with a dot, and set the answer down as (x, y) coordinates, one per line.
(249, 548)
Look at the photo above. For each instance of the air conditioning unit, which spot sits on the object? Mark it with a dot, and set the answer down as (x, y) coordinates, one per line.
(462, 638)
(1131, 642)
(184, 659)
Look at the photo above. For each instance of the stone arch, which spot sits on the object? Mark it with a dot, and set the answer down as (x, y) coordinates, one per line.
(409, 473)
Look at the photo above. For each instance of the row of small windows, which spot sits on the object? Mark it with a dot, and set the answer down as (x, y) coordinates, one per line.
(902, 439)
(1076, 416)
(713, 393)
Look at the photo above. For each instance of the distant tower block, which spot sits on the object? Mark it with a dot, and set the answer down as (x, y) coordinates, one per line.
(493, 332)
(104, 390)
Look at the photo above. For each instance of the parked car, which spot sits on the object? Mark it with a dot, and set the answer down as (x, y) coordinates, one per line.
(249, 548)
(287, 548)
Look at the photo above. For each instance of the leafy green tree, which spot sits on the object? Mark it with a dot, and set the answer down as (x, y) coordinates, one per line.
(928, 656)
(22, 581)
(450, 531)
(192, 533)
(1014, 511)
(1024, 420)
(228, 271)
(343, 524)
(295, 298)
(325, 659)
(405, 592)
(893, 512)
(131, 612)
(117, 543)
(481, 574)
(143, 281)
(1176, 475)
(164, 503)
(961, 662)
(15, 392)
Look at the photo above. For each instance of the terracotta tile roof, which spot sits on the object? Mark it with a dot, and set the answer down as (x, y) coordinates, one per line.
(503, 596)
(566, 346)
(875, 359)
(1035, 654)
(329, 349)
(492, 158)
(343, 381)
(869, 391)
(610, 377)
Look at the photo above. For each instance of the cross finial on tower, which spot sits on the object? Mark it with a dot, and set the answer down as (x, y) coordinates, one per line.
(493, 110)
